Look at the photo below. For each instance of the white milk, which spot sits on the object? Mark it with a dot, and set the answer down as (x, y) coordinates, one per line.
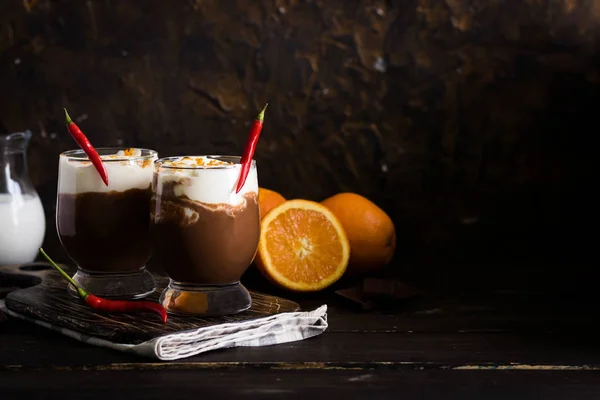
(22, 228)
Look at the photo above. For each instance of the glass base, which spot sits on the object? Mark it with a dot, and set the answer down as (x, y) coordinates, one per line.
(128, 286)
(203, 300)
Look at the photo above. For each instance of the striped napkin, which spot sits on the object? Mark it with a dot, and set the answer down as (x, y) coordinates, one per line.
(264, 331)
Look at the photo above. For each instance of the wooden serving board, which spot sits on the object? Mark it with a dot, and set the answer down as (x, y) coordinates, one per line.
(49, 301)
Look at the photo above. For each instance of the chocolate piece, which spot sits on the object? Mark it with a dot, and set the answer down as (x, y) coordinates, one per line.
(354, 295)
(388, 288)
(376, 293)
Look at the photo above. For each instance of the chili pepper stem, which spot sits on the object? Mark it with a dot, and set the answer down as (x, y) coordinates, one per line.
(69, 120)
(81, 292)
(261, 115)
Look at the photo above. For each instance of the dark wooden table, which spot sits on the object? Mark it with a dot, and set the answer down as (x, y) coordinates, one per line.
(490, 344)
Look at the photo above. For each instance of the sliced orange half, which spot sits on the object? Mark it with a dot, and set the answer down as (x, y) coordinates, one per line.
(302, 246)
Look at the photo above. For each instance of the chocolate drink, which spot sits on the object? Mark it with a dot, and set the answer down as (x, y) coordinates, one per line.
(201, 233)
(106, 232)
(205, 244)
(105, 229)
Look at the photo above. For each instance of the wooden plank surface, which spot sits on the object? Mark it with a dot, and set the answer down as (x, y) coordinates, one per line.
(489, 345)
(22, 349)
(469, 328)
(294, 384)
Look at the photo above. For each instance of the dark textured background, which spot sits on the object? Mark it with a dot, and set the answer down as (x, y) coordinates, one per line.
(470, 122)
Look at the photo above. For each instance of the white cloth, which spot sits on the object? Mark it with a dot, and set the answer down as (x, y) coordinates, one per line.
(264, 331)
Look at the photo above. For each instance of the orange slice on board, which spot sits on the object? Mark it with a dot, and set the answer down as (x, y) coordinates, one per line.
(302, 246)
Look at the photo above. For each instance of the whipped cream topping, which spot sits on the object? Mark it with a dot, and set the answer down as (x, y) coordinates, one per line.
(205, 179)
(125, 169)
(194, 162)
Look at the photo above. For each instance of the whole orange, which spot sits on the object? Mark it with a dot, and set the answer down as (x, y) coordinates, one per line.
(267, 200)
(370, 231)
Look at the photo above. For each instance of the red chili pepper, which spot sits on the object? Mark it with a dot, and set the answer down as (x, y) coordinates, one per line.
(85, 144)
(246, 160)
(107, 305)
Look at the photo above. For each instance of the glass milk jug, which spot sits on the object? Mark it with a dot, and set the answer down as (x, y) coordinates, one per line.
(22, 219)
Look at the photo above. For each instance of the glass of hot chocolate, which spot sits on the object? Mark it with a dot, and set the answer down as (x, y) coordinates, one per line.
(106, 229)
(204, 234)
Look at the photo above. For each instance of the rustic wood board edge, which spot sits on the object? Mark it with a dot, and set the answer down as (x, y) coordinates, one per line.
(49, 302)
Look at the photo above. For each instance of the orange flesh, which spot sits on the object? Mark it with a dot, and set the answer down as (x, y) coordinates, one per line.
(294, 243)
